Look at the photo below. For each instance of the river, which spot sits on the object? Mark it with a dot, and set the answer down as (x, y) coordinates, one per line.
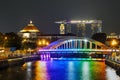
(60, 70)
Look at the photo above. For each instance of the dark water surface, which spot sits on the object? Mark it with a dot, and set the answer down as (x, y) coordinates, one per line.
(60, 70)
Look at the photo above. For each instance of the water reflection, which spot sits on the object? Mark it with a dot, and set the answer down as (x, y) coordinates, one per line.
(71, 71)
(28, 68)
(97, 70)
(60, 70)
(85, 71)
(111, 74)
(40, 71)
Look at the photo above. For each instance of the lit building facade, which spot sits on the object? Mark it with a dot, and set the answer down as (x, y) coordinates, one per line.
(29, 35)
(29, 31)
(113, 38)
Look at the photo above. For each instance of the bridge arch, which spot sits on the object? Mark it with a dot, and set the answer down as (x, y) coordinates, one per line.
(76, 43)
(74, 47)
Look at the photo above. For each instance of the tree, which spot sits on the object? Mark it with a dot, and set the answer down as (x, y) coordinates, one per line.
(12, 40)
(101, 37)
(27, 45)
(1, 39)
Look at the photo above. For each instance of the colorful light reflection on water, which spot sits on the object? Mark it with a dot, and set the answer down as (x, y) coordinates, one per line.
(72, 70)
(60, 70)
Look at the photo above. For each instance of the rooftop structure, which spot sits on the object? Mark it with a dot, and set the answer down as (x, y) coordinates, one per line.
(29, 31)
(30, 28)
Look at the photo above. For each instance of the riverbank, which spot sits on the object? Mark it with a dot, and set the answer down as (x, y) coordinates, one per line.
(17, 61)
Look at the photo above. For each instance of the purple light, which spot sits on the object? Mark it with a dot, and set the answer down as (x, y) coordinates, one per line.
(41, 56)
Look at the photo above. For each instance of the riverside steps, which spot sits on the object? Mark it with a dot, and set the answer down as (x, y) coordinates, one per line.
(14, 61)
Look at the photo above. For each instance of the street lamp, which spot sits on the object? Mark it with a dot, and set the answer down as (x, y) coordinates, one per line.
(42, 43)
(114, 43)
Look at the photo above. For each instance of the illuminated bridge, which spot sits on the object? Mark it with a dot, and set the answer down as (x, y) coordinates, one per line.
(75, 47)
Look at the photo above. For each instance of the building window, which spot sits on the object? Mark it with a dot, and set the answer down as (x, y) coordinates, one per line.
(26, 35)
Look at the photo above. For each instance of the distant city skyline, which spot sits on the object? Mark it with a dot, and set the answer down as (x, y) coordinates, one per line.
(15, 15)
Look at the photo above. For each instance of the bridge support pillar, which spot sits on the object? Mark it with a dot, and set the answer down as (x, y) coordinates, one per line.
(70, 44)
(95, 46)
(80, 43)
(90, 45)
(67, 45)
(76, 44)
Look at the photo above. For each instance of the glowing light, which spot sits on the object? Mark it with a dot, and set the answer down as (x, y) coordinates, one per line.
(62, 29)
(5, 38)
(26, 35)
(29, 64)
(74, 50)
(53, 48)
(85, 21)
(39, 43)
(43, 42)
(114, 43)
(29, 31)
(30, 21)
(79, 21)
(85, 40)
(2, 50)
(47, 43)
(24, 40)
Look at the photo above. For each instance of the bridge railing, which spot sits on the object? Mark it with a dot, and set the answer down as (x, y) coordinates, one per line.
(79, 50)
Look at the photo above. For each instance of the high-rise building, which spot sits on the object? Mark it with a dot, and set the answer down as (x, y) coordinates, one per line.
(82, 28)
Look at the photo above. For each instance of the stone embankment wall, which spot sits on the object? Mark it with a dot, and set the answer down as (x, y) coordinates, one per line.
(17, 61)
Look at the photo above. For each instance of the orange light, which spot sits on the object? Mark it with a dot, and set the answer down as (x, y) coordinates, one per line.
(39, 43)
(5, 38)
(114, 43)
(43, 42)
(47, 43)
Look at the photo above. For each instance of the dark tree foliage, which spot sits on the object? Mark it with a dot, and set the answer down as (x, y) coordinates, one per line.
(101, 37)
(12, 40)
(1, 39)
(27, 45)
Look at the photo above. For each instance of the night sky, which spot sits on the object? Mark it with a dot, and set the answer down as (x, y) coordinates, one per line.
(15, 14)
